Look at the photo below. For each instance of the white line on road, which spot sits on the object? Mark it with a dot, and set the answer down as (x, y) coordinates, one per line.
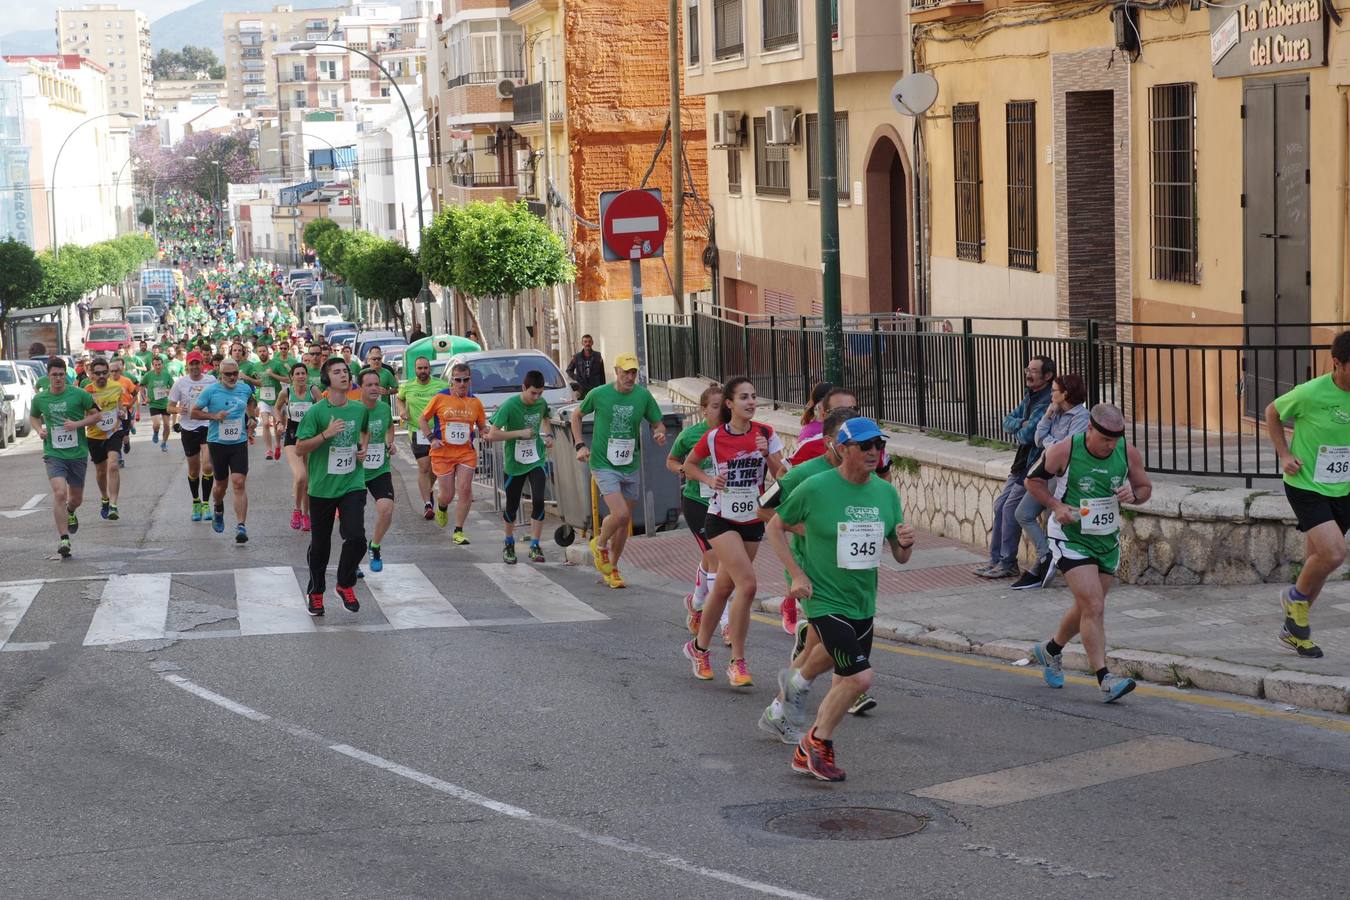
(543, 598)
(14, 602)
(33, 501)
(133, 608)
(484, 802)
(270, 602)
(408, 599)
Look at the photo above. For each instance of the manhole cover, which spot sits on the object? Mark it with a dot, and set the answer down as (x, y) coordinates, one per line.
(846, 823)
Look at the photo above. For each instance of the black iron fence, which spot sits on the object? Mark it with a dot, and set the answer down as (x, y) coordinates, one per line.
(1194, 395)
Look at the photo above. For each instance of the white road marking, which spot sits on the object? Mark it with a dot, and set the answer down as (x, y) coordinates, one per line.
(540, 596)
(14, 602)
(28, 647)
(133, 608)
(408, 599)
(33, 501)
(484, 802)
(270, 601)
(1143, 756)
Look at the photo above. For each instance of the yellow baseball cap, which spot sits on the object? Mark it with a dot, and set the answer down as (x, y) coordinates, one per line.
(626, 361)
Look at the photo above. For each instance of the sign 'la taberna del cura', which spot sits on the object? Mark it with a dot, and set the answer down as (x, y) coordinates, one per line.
(1268, 36)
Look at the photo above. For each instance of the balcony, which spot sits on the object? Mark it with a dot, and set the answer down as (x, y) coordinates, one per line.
(528, 103)
(921, 11)
(464, 187)
(483, 78)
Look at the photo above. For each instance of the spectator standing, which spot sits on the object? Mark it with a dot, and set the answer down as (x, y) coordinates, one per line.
(587, 368)
(1005, 535)
(1066, 416)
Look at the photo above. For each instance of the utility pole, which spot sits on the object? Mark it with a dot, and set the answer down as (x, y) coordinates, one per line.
(564, 326)
(831, 300)
(677, 156)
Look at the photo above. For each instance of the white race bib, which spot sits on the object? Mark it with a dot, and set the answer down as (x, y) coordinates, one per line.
(374, 456)
(107, 421)
(527, 452)
(422, 439)
(161, 393)
(620, 451)
(341, 460)
(1333, 465)
(705, 490)
(858, 545)
(64, 440)
(231, 431)
(1100, 515)
(268, 393)
(296, 409)
(456, 433)
(738, 503)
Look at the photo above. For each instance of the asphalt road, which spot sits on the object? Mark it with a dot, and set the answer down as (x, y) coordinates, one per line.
(514, 757)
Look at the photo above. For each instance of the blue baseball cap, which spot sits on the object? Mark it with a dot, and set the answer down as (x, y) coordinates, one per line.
(857, 430)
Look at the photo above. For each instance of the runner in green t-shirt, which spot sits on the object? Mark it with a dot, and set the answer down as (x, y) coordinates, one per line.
(413, 397)
(519, 421)
(377, 444)
(329, 436)
(1316, 466)
(156, 386)
(388, 383)
(695, 503)
(619, 409)
(279, 374)
(60, 416)
(845, 517)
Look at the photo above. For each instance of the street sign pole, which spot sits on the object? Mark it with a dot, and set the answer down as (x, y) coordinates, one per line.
(633, 227)
(639, 327)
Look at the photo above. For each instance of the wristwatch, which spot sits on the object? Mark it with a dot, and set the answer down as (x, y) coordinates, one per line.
(579, 445)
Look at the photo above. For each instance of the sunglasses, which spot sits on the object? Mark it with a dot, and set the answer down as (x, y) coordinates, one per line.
(229, 374)
(461, 380)
(869, 444)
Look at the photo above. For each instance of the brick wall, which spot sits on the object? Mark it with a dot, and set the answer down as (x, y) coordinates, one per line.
(618, 90)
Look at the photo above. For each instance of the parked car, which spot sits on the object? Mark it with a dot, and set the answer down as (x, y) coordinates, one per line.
(342, 337)
(497, 375)
(8, 430)
(20, 388)
(329, 328)
(382, 339)
(107, 337)
(144, 322)
(320, 314)
(297, 277)
(38, 367)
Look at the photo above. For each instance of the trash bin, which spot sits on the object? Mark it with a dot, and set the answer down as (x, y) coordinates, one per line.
(659, 489)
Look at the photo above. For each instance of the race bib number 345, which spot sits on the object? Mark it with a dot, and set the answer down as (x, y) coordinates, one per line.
(858, 545)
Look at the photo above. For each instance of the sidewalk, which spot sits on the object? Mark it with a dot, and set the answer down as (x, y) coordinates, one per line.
(1220, 638)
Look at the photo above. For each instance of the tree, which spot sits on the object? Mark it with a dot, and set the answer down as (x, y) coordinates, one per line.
(20, 278)
(316, 230)
(147, 217)
(385, 271)
(183, 65)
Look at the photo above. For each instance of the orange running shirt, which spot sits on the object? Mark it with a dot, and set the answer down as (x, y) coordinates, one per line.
(453, 420)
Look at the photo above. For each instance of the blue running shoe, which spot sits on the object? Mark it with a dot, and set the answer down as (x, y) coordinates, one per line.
(240, 534)
(164, 447)
(154, 437)
(1052, 667)
(376, 563)
(218, 522)
(1115, 686)
(196, 511)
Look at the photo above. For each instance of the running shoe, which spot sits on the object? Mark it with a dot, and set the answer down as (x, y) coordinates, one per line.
(348, 595)
(164, 447)
(196, 511)
(536, 554)
(240, 534)
(1116, 686)
(63, 548)
(726, 632)
(1302, 646)
(315, 604)
(779, 727)
(1295, 617)
(799, 641)
(296, 520)
(819, 758)
(738, 674)
(693, 616)
(702, 662)
(72, 522)
(615, 580)
(861, 705)
(218, 521)
(376, 563)
(1034, 578)
(121, 461)
(600, 557)
(442, 516)
(103, 508)
(154, 437)
(112, 513)
(1052, 667)
(509, 554)
(460, 538)
(800, 762)
(305, 523)
(788, 614)
(794, 699)
(427, 512)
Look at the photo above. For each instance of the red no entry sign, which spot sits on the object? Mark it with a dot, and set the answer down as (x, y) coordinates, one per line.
(633, 224)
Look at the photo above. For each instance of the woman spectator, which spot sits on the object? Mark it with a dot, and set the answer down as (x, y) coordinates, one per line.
(1066, 416)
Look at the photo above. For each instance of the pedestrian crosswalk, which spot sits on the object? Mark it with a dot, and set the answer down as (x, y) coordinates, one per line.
(267, 600)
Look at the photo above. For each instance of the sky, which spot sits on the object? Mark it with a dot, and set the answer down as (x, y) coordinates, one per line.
(42, 13)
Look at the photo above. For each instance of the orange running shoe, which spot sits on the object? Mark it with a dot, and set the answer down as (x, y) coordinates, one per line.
(692, 617)
(738, 674)
(820, 758)
(702, 661)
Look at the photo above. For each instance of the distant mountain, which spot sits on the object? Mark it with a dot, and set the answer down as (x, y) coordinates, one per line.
(39, 40)
(202, 22)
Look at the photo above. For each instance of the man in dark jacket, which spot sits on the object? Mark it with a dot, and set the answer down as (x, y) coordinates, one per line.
(587, 369)
(1006, 534)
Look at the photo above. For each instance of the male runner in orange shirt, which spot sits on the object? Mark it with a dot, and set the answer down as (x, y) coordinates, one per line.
(449, 420)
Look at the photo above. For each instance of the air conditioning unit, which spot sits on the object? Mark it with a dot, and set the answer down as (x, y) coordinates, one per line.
(506, 88)
(524, 160)
(780, 125)
(728, 128)
(524, 182)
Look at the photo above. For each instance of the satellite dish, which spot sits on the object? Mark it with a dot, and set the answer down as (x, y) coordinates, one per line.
(914, 94)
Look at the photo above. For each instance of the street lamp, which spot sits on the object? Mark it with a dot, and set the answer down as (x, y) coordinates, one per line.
(351, 193)
(412, 132)
(117, 192)
(56, 252)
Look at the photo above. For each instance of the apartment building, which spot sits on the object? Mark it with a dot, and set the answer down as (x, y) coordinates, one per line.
(119, 41)
(252, 42)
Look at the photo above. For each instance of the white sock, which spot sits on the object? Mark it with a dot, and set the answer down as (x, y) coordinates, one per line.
(726, 614)
(776, 709)
(798, 681)
(700, 587)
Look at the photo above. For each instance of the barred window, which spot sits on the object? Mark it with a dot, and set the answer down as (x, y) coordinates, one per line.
(969, 182)
(813, 155)
(772, 165)
(1022, 184)
(733, 171)
(1173, 215)
(728, 30)
(692, 32)
(780, 23)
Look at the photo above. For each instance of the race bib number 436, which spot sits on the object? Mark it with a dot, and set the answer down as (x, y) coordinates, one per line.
(1333, 465)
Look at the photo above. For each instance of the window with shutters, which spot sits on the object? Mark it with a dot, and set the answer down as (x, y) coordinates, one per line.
(840, 155)
(969, 183)
(772, 165)
(779, 18)
(1022, 185)
(1174, 220)
(691, 32)
(733, 171)
(728, 29)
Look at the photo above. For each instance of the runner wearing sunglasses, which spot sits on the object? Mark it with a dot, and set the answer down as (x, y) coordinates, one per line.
(449, 422)
(231, 409)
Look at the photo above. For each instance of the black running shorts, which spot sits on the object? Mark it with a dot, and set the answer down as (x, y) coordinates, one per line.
(848, 641)
(227, 459)
(695, 516)
(99, 448)
(381, 487)
(1310, 508)
(750, 532)
(193, 440)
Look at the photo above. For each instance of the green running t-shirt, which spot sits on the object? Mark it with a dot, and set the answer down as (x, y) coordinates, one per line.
(379, 420)
(335, 468)
(1321, 414)
(55, 410)
(679, 451)
(516, 415)
(616, 439)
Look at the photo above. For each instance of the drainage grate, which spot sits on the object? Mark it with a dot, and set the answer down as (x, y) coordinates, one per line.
(846, 823)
